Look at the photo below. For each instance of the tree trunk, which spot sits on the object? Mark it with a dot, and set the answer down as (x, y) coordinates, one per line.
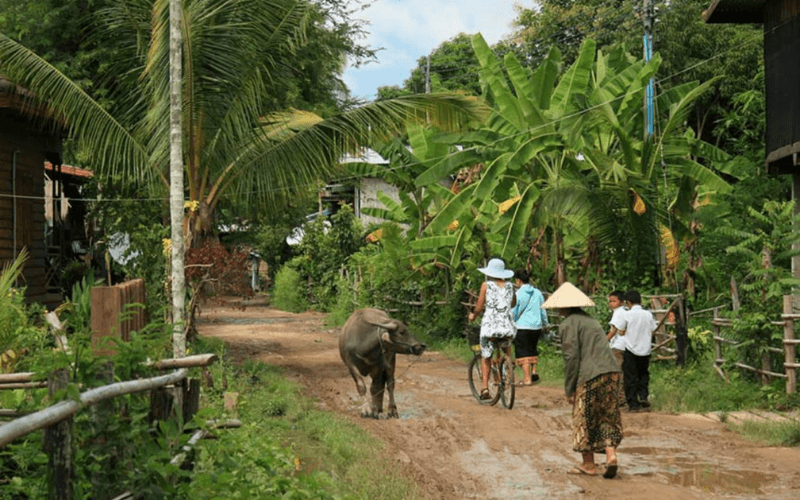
(176, 181)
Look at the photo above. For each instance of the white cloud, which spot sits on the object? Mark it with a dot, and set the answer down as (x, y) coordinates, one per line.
(410, 29)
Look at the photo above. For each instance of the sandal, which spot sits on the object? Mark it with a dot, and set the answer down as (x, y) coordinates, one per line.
(581, 469)
(485, 394)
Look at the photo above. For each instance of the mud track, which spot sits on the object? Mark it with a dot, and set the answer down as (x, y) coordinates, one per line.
(454, 448)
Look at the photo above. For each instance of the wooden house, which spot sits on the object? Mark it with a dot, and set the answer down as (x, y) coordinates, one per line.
(28, 137)
(781, 20)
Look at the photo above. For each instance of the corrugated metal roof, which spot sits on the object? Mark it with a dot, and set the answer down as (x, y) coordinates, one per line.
(735, 11)
(366, 155)
(70, 170)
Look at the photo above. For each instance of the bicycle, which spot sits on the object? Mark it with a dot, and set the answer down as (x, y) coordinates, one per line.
(501, 378)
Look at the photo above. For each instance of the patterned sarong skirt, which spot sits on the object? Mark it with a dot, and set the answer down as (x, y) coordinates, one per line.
(596, 421)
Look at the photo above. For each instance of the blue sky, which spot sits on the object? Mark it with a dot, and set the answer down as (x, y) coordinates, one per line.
(410, 29)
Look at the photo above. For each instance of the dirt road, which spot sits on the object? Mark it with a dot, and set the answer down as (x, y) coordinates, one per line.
(455, 448)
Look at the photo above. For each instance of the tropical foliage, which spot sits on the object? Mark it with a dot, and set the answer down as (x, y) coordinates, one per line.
(236, 144)
(566, 150)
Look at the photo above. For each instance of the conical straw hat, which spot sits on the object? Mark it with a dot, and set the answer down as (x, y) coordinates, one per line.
(567, 295)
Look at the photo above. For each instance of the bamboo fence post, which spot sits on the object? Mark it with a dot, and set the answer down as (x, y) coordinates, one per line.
(789, 346)
(717, 343)
(58, 446)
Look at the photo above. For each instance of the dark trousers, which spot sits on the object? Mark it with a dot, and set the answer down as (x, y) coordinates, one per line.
(636, 372)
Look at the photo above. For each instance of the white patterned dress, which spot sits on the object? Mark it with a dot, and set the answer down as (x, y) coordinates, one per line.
(496, 320)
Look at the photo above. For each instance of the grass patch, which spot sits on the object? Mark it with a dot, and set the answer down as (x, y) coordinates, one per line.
(287, 448)
(697, 388)
(771, 433)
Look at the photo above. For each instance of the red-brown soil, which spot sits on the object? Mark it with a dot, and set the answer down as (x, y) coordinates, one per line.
(454, 448)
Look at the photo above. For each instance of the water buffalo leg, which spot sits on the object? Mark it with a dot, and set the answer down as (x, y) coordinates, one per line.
(361, 387)
(392, 410)
(376, 390)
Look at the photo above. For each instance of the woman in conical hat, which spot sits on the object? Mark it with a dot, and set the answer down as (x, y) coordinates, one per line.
(591, 381)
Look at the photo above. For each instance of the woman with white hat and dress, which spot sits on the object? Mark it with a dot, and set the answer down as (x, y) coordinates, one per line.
(495, 301)
(591, 381)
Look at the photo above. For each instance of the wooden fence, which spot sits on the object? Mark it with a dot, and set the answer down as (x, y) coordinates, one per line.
(112, 316)
(57, 419)
(788, 350)
(674, 316)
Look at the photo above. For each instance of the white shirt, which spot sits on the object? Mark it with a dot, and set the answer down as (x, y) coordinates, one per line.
(639, 326)
(617, 341)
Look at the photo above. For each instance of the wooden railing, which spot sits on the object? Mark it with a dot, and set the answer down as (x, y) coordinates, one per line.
(54, 418)
(171, 394)
(788, 350)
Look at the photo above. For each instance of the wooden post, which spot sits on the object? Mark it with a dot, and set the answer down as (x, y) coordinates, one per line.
(681, 332)
(790, 347)
(191, 401)
(735, 294)
(717, 343)
(58, 446)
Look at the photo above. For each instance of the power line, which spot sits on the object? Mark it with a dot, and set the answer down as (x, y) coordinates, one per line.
(442, 157)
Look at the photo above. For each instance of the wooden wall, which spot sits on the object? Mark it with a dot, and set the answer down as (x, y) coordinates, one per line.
(23, 147)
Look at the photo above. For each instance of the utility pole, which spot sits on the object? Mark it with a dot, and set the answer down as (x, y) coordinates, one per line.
(648, 19)
(428, 76)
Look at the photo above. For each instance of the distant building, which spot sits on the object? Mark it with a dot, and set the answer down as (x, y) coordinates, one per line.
(363, 192)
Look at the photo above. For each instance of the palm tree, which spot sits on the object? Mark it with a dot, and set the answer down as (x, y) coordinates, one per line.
(178, 278)
(233, 143)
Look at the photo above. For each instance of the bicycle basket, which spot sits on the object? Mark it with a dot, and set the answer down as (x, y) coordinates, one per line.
(474, 334)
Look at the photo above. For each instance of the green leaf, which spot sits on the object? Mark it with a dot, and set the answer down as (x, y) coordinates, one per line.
(574, 81)
(520, 215)
(434, 242)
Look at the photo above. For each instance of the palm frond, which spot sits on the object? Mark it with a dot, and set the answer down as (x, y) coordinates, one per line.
(113, 147)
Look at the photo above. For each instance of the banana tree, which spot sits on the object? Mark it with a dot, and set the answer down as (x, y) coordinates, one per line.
(571, 145)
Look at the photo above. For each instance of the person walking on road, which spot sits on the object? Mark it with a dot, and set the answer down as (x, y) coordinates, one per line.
(616, 301)
(495, 301)
(531, 321)
(636, 328)
(591, 381)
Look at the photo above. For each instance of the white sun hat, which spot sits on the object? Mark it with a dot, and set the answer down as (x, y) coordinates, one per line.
(497, 269)
(567, 295)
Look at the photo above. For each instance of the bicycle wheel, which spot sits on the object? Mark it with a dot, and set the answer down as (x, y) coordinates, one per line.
(475, 380)
(507, 388)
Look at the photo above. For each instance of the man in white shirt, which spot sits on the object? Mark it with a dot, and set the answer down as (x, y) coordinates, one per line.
(636, 328)
(616, 301)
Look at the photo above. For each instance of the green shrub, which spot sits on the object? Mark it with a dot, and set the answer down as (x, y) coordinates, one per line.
(344, 305)
(20, 325)
(322, 255)
(288, 292)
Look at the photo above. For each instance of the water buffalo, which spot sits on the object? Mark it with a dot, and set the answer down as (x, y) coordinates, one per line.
(368, 344)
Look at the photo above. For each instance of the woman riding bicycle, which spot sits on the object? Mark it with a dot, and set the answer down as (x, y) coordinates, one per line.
(495, 301)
